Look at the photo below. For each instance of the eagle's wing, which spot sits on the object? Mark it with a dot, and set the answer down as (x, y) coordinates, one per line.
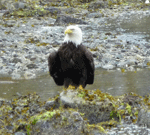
(89, 66)
(55, 68)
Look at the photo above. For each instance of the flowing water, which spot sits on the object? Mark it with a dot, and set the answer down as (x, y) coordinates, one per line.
(113, 82)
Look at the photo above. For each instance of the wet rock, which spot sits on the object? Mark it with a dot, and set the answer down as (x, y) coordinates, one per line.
(122, 64)
(20, 5)
(20, 133)
(53, 10)
(108, 66)
(96, 5)
(29, 75)
(118, 56)
(15, 76)
(94, 15)
(123, 50)
(63, 123)
(1, 101)
(16, 60)
(94, 112)
(52, 104)
(143, 118)
(31, 66)
(85, 1)
(70, 10)
(146, 62)
(61, 20)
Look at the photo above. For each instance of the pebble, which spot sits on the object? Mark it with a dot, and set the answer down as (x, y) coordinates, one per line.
(126, 129)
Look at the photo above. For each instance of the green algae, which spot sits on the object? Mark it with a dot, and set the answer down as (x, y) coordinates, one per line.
(95, 103)
(94, 49)
(96, 126)
(31, 13)
(42, 44)
(45, 116)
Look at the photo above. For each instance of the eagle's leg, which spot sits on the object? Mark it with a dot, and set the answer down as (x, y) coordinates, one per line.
(83, 82)
(67, 82)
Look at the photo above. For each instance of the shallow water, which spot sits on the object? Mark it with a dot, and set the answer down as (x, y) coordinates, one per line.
(113, 82)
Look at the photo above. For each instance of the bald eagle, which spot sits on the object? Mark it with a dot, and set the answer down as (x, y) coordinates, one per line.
(73, 63)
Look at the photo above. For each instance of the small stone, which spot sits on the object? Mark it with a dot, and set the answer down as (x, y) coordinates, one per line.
(20, 133)
(94, 15)
(16, 60)
(108, 66)
(29, 75)
(32, 66)
(15, 76)
(66, 20)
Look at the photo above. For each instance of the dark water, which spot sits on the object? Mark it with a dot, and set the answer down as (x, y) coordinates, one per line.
(113, 82)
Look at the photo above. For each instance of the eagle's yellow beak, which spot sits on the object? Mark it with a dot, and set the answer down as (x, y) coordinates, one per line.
(68, 31)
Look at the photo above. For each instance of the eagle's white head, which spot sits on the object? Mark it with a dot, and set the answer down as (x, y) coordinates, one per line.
(73, 34)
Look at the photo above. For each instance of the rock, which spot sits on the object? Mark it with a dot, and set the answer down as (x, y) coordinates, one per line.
(96, 5)
(15, 76)
(118, 56)
(144, 118)
(20, 133)
(68, 122)
(122, 64)
(61, 20)
(70, 10)
(108, 66)
(31, 66)
(146, 62)
(53, 10)
(2, 101)
(85, 1)
(16, 60)
(51, 104)
(94, 15)
(29, 75)
(94, 112)
(19, 5)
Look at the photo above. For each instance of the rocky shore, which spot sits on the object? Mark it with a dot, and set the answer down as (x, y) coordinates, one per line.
(31, 30)
(76, 112)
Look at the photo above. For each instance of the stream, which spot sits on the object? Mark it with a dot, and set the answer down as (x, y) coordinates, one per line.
(112, 81)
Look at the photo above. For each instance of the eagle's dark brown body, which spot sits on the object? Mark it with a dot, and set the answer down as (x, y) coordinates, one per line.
(72, 65)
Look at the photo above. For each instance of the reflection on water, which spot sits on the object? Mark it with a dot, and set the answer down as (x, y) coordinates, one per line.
(113, 82)
(118, 83)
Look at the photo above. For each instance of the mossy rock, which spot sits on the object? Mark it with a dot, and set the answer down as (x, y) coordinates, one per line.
(95, 105)
(61, 20)
(74, 111)
(85, 1)
(59, 121)
(30, 13)
(2, 7)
